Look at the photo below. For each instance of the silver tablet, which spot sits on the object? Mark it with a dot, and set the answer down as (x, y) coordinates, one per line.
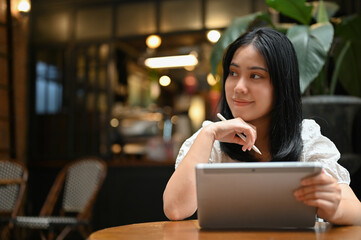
(253, 195)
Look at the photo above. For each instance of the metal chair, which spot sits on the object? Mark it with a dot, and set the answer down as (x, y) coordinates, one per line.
(13, 179)
(79, 182)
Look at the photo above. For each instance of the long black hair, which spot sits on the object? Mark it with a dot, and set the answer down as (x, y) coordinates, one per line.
(286, 116)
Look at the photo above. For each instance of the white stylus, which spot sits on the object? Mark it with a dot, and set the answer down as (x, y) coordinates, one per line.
(240, 135)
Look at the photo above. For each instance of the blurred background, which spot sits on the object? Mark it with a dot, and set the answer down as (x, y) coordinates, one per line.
(83, 77)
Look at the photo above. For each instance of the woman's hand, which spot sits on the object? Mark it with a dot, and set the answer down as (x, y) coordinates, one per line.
(226, 131)
(179, 197)
(321, 191)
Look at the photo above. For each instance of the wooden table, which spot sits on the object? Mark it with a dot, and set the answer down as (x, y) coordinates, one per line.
(189, 230)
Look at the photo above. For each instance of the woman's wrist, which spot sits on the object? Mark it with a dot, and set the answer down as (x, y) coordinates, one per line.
(209, 132)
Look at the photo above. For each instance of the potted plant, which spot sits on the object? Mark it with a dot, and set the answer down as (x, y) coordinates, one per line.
(327, 50)
(312, 35)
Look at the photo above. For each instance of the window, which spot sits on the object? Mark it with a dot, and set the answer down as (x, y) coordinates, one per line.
(49, 91)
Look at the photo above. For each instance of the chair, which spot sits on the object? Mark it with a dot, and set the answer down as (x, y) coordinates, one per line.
(13, 179)
(79, 182)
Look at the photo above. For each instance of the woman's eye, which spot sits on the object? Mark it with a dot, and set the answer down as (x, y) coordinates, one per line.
(255, 76)
(232, 73)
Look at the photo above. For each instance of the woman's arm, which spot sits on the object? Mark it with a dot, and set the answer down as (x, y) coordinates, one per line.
(336, 203)
(349, 208)
(179, 197)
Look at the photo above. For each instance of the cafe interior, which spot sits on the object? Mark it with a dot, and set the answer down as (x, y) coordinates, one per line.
(85, 78)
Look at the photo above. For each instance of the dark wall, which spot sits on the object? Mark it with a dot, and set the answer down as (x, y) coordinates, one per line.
(131, 195)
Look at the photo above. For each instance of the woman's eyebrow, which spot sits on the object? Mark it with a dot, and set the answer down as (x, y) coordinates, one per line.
(235, 65)
(258, 68)
(250, 68)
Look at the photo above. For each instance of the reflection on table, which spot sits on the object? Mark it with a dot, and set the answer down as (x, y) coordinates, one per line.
(189, 230)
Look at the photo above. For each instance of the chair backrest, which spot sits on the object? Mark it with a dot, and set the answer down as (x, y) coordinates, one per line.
(13, 179)
(81, 181)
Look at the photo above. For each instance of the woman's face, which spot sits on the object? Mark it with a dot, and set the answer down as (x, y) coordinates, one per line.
(248, 87)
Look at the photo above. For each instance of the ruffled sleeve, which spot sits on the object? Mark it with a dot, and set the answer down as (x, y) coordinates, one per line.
(318, 148)
(216, 153)
(185, 148)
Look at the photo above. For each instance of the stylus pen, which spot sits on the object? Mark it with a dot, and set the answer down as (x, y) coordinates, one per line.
(240, 135)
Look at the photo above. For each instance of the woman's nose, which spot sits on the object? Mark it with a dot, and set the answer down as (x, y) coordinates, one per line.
(241, 86)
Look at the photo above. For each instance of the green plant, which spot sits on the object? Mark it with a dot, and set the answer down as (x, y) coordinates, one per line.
(312, 36)
(347, 55)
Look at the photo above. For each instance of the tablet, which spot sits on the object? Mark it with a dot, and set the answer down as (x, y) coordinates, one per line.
(253, 195)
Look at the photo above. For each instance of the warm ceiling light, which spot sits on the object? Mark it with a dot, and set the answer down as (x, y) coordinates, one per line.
(189, 68)
(114, 122)
(171, 61)
(116, 148)
(153, 41)
(211, 80)
(24, 6)
(164, 81)
(213, 36)
(197, 111)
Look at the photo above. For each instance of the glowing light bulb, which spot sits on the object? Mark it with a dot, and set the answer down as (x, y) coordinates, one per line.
(213, 36)
(24, 6)
(171, 61)
(153, 41)
(211, 80)
(164, 81)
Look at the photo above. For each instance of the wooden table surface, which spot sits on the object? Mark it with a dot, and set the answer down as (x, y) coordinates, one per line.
(189, 230)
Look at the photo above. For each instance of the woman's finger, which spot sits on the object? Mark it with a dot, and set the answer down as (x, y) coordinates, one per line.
(321, 178)
(228, 130)
(328, 196)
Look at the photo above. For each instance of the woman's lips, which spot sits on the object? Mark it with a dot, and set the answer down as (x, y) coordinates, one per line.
(242, 102)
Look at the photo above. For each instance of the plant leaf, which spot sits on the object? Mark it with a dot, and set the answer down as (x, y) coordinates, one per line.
(295, 9)
(350, 70)
(330, 7)
(238, 26)
(311, 48)
(322, 13)
(338, 63)
(323, 32)
(349, 28)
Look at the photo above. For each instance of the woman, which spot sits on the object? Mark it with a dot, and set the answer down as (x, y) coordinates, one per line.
(261, 98)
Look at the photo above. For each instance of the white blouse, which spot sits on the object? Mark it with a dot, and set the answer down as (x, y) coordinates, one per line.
(316, 148)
